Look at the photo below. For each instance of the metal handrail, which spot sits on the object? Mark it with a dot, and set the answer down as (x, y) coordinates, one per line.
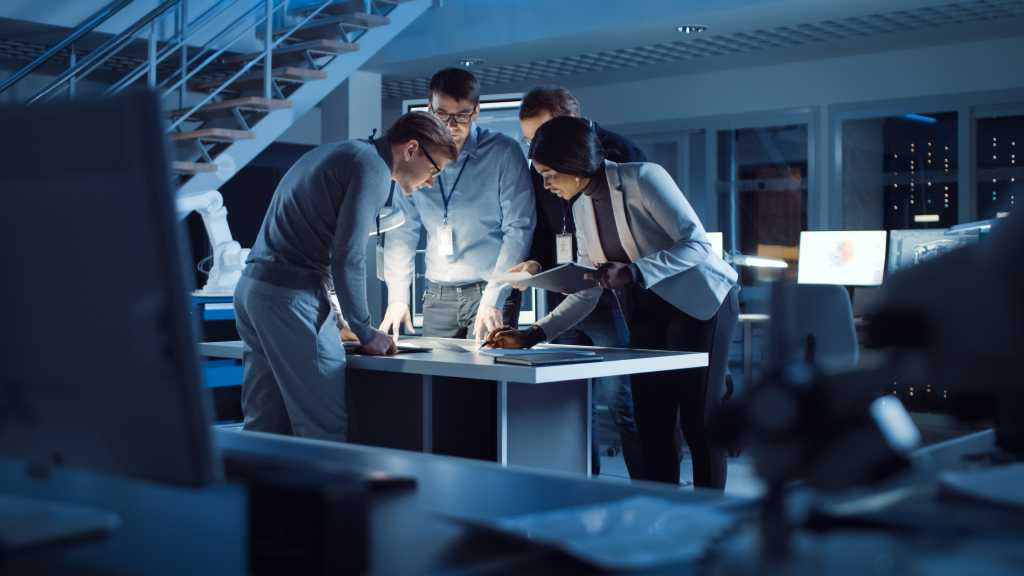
(90, 24)
(100, 55)
(213, 57)
(267, 50)
(181, 38)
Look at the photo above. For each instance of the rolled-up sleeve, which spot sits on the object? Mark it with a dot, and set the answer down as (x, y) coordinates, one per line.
(400, 251)
(366, 187)
(518, 217)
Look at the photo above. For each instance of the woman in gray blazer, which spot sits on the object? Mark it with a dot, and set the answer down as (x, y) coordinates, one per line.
(634, 223)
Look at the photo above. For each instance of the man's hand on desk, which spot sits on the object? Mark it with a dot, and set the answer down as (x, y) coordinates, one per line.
(347, 335)
(512, 338)
(395, 317)
(488, 319)
(531, 267)
(379, 345)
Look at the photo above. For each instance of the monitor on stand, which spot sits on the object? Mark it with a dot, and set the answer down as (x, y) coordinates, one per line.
(101, 372)
(911, 247)
(844, 257)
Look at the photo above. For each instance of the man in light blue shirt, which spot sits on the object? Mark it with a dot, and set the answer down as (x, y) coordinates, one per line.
(478, 217)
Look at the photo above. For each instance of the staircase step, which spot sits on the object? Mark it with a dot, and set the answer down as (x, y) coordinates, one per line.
(224, 107)
(286, 73)
(293, 52)
(192, 167)
(213, 135)
(350, 7)
(328, 27)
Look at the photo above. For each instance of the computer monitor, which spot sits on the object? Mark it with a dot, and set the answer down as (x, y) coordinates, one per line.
(100, 370)
(717, 243)
(845, 257)
(910, 247)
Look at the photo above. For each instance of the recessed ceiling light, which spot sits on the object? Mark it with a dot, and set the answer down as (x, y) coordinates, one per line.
(691, 29)
(469, 62)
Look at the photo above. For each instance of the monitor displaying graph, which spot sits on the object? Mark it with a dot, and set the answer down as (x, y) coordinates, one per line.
(910, 247)
(845, 257)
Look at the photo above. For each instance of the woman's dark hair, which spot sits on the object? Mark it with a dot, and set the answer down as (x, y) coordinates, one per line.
(568, 145)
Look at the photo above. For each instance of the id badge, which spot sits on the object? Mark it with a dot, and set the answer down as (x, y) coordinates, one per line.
(380, 261)
(563, 248)
(445, 240)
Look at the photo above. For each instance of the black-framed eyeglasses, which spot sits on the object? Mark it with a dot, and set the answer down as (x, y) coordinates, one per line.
(437, 169)
(459, 117)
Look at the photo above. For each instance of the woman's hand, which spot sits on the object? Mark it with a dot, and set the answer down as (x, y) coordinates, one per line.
(512, 338)
(380, 344)
(612, 275)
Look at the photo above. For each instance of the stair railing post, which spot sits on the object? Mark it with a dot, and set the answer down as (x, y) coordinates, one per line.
(72, 62)
(182, 35)
(267, 46)
(151, 55)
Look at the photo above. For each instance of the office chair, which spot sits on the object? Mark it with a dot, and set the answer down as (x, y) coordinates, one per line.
(824, 325)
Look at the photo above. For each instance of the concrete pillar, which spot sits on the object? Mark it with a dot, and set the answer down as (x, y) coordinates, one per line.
(354, 109)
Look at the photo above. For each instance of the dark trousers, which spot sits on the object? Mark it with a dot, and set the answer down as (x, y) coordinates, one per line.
(606, 328)
(462, 408)
(692, 396)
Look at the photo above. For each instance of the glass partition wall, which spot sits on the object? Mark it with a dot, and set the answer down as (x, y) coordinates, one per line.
(900, 172)
(1000, 176)
(762, 189)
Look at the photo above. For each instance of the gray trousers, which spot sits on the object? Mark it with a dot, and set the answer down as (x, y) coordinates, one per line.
(449, 311)
(294, 363)
(465, 411)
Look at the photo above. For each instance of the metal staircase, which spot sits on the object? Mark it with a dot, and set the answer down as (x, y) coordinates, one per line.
(225, 104)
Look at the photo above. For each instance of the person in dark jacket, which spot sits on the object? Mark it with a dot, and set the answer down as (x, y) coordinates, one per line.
(554, 243)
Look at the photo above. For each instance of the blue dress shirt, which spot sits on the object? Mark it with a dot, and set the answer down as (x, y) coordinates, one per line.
(491, 213)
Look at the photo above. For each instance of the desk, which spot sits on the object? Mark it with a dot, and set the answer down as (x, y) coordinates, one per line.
(409, 531)
(410, 534)
(543, 413)
(165, 530)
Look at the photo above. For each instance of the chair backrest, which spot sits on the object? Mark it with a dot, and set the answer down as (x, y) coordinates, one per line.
(817, 324)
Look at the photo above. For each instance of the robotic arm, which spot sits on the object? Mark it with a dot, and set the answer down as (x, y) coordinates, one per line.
(228, 255)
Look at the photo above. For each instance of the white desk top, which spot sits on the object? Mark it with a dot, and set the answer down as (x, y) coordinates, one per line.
(446, 362)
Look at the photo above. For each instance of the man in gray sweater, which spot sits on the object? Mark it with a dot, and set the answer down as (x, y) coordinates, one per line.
(314, 234)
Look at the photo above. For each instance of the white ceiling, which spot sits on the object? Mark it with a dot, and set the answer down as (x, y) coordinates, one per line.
(584, 42)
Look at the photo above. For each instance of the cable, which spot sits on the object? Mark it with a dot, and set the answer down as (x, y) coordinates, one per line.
(199, 266)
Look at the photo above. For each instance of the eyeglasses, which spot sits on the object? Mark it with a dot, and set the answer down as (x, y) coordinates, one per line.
(446, 118)
(423, 148)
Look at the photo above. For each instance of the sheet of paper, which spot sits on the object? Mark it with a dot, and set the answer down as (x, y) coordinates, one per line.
(530, 351)
(1000, 485)
(637, 533)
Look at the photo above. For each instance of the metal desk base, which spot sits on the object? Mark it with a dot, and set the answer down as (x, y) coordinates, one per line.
(540, 426)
